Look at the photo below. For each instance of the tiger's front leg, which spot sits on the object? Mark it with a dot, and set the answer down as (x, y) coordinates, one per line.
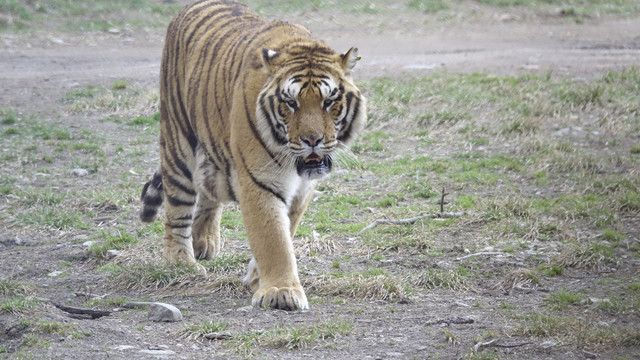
(268, 229)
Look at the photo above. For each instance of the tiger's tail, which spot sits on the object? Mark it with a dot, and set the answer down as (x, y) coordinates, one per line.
(152, 197)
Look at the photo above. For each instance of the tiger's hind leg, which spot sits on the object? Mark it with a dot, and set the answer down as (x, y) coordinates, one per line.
(181, 200)
(206, 229)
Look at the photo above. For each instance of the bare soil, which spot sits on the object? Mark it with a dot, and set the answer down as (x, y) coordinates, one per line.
(36, 71)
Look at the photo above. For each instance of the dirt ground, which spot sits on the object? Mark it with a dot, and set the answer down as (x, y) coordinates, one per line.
(37, 70)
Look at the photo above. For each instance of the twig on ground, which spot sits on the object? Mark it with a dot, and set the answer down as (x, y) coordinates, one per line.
(442, 203)
(218, 336)
(94, 314)
(454, 320)
(439, 215)
(479, 253)
(481, 345)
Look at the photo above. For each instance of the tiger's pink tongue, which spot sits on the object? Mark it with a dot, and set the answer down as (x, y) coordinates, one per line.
(313, 157)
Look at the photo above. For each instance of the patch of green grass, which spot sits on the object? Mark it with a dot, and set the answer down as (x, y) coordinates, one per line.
(587, 256)
(576, 331)
(227, 262)
(200, 330)
(553, 270)
(86, 14)
(55, 218)
(11, 288)
(292, 338)
(427, 6)
(17, 304)
(119, 84)
(109, 302)
(456, 279)
(118, 241)
(560, 300)
(370, 286)
(88, 92)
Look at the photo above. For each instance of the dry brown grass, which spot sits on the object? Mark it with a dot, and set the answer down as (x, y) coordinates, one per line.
(379, 287)
(520, 279)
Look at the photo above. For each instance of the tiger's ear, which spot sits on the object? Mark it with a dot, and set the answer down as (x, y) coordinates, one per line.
(268, 57)
(349, 59)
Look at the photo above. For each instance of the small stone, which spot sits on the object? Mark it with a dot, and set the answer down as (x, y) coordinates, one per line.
(55, 273)
(88, 243)
(114, 31)
(164, 312)
(123, 347)
(547, 345)
(80, 172)
(245, 308)
(112, 253)
(10, 240)
(157, 352)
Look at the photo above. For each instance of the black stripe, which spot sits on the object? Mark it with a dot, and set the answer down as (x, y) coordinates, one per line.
(179, 226)
(148, 214)
(273, 122)
(177, 202)
(180, 186)
(254, 130)
(355, 108)
(261, 184)
(154, 201)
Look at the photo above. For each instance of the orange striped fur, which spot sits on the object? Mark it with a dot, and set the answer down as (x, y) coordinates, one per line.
(250, 111)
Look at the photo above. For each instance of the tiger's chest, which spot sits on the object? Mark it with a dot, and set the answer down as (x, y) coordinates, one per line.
(221, 184)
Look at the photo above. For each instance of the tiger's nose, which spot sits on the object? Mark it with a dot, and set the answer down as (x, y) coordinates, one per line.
(312, 140)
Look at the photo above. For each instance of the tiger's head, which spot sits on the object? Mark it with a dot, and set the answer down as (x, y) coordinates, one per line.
(309, 105)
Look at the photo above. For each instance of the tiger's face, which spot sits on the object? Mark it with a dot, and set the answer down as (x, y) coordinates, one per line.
(313, 110)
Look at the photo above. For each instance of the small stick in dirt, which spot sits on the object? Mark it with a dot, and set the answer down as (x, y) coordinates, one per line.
(454, 320)
(218, 336)
(94, 314)
(479, 253)
(481, 345)
(442, 202)
(441, 215)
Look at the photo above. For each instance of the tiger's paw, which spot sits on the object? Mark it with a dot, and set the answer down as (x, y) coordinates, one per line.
(205, 247)
(183, 257)
(284, 298)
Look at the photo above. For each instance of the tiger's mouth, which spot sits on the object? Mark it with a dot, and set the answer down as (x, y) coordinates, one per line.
(314, 166)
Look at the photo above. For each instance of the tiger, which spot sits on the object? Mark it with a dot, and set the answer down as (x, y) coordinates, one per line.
(252, 112)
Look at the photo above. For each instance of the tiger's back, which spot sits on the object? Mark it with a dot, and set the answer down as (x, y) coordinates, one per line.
(239, 122)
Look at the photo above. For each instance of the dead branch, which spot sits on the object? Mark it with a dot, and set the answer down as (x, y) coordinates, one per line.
(218, 336)
(454, 320)
(478, 254)
(494, 343)
(439, 215)
(94, 314)
(442, 203)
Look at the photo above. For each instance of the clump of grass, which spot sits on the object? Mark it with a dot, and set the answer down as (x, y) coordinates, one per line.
(226, 263)
(518, 279)
(577, 332)
(455, 279)
(194, 331)
(119, 84)
(560, 300)
(153, 275)
(119, 241)
(586, 256)
(378, 287)
(291, 338)
(18, 305)
(11, 288)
